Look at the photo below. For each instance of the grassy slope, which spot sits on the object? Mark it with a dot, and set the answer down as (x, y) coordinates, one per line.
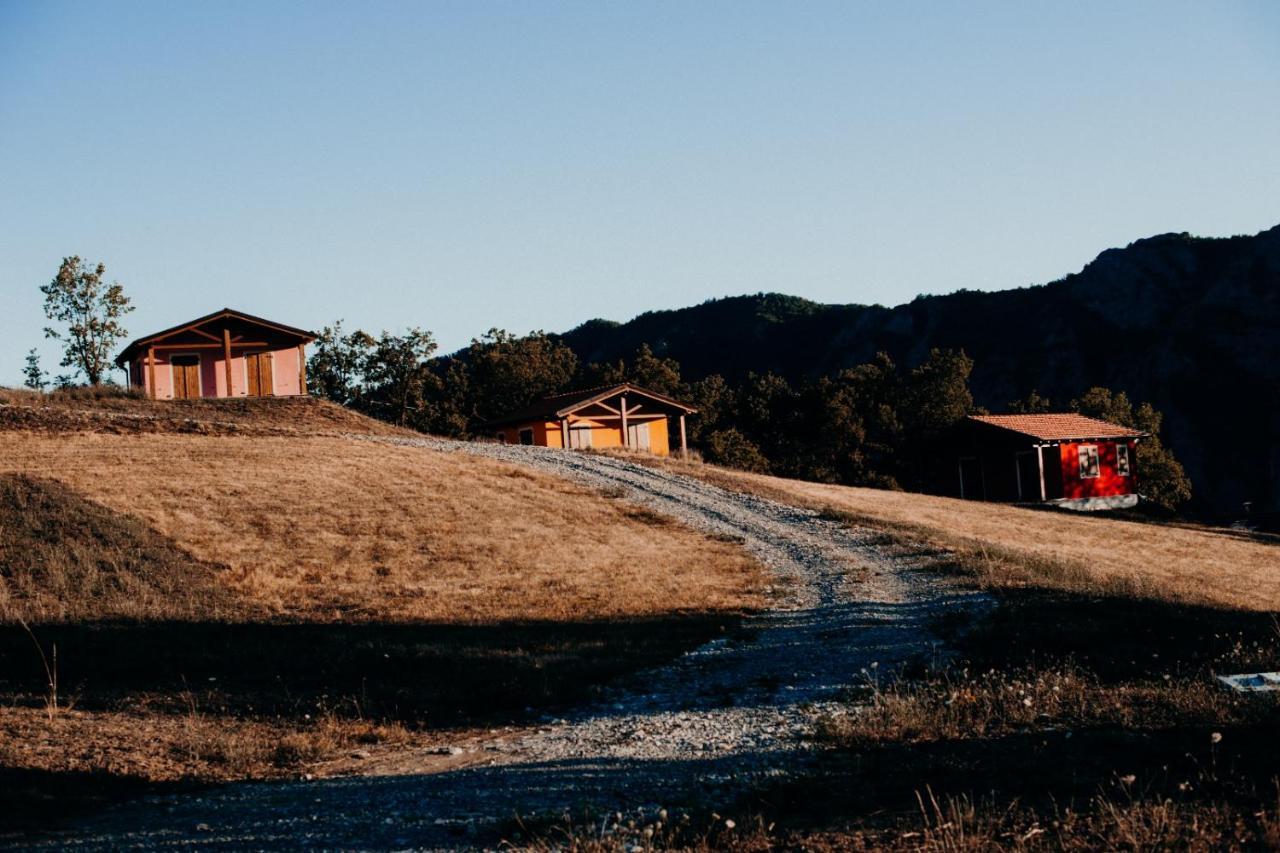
(1069, 551)
(319, 527)
(237, 591)
(1081, 713)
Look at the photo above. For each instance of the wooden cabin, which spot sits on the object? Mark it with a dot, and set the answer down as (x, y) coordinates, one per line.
(1067, 460)
(224, 354)
(611, 416)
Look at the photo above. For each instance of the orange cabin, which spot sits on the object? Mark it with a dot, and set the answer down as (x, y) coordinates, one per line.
(224, 354)
(612, 416)
(1067, 460)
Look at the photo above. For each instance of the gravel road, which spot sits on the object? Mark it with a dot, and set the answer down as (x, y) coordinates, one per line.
(703, 728)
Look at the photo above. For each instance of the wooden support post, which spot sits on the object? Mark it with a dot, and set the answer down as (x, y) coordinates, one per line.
(151, 370)
(302, 369)
(226, 356)
(684, 442)
(623, 405)
(564, 433)
(1040, 465)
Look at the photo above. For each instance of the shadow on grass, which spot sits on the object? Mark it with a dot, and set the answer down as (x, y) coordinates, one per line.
(1041, 772)
(431, 676)
(33, 799)
(1188, 753)
(1118, 639)
(423, 674)
(877, 786)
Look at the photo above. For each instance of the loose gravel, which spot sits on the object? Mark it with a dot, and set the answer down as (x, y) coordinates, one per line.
(704, 728)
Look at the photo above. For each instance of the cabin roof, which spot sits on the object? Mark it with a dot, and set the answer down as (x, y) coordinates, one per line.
(559, 405)
(138, 343)
(1065, 426)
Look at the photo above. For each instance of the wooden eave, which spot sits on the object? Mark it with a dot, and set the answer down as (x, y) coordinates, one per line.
(547, 410)
(193, 327)
(624, 389)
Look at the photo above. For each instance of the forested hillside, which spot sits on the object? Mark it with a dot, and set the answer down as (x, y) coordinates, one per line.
(1190, 324)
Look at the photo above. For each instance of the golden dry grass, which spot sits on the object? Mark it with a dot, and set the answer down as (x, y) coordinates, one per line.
(332, 528)
(1076, 552)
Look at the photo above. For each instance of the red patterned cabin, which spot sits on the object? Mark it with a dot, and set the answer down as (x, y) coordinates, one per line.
(1068, 460)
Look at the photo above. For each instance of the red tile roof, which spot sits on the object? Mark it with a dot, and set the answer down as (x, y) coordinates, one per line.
(1058, 427)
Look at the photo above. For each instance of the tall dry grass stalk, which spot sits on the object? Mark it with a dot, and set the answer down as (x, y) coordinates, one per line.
(50, 665)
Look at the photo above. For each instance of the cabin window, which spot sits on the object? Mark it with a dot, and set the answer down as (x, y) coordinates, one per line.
(580, 437)
(1122, 460)
(526, 436)
(1088, 461)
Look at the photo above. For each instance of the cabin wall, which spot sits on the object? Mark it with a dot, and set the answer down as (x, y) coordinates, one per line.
(285, 379)
(659, 437)
(1108, 482)
(603, 434)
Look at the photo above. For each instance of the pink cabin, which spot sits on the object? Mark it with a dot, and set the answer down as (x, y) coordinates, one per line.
(224, 354)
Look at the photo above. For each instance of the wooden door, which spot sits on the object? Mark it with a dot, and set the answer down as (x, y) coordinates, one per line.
(186, 376)
(258, 366)
(638, 436)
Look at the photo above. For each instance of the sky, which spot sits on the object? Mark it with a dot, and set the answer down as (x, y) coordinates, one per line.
(531, 165)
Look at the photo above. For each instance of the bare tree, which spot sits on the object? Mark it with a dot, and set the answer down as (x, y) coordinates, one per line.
(91, 311)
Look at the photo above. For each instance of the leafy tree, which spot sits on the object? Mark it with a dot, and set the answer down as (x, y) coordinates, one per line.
(396, 374)
(875, 390)
(935, 397)
(35, 378)
(645, 369)
(731, 448)
(509, 372)
(498, 373)
(1032, 404)
(337, 364)
(91, 311)
(716, 403)
(656, 374)
(1161, 478)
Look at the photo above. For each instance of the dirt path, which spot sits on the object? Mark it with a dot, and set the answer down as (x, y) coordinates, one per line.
(702, 728)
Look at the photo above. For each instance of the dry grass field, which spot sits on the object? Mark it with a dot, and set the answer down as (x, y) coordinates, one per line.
(1010, 545)
(234, 590)
(324, 528)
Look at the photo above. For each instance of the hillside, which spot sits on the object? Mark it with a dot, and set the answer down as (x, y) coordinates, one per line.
(1190, 324)
(306, 521)
(240, 589)
(1008, 545)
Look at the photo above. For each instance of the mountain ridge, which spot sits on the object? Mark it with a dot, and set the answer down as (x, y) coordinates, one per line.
(1190, 324)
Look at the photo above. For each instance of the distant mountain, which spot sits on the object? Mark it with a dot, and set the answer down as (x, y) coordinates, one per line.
(1190, 324)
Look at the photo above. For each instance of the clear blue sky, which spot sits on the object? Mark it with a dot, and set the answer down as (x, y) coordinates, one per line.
(465, 165)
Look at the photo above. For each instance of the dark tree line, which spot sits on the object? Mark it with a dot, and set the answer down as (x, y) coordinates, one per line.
(877, 424)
